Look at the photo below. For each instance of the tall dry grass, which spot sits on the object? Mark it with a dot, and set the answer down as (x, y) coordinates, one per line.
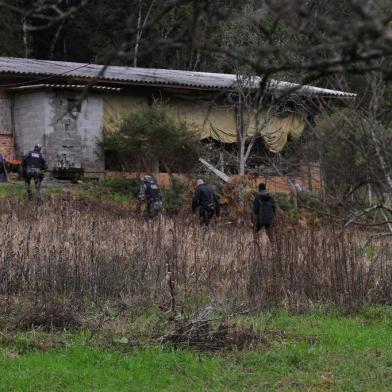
(85, 252)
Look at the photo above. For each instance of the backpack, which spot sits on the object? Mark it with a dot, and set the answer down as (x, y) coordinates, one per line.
(153, 192)
(207, 198)
(266, 211)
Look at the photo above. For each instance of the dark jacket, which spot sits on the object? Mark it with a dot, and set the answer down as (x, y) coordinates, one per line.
(264, 208)
(2, 169)
(34, 159)
(205, 198)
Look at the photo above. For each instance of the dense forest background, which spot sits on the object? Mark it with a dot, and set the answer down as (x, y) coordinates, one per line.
(281, 36)
(330, 43)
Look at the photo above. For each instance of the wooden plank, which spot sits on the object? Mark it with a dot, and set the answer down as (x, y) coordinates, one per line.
(214, 170)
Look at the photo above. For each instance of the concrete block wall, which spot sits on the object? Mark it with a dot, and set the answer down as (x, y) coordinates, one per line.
(62, 140)
(69, 138)
(90, 128)
(29, 118)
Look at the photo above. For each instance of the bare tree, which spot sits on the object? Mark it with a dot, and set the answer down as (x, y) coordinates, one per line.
(42, 15)
(141, 24)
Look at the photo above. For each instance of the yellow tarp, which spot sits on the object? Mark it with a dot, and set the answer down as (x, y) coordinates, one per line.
(217, 122)
(116, 107)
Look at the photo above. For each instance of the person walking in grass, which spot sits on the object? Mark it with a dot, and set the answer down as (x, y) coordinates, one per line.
(33, 165)
(151, 194)
(205, 199)
(263, 211)
(3, 173)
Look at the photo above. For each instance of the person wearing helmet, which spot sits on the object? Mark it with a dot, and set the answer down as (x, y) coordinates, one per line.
(33, 165)
(151, 194)
(205, 199)
(263, 211)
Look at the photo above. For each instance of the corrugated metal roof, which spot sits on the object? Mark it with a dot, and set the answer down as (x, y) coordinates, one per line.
(45, 69)
(63, 87)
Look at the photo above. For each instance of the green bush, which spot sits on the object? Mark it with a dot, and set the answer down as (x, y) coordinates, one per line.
(283, 201)
(121, 185)
(119, 190)
(309, 200)
(151, 136)
(174, 197)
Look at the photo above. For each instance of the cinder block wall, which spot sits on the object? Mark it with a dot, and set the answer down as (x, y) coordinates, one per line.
(29, 119)
(69, 138)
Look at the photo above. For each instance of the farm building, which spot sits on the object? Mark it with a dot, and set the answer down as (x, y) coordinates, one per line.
(40, 102)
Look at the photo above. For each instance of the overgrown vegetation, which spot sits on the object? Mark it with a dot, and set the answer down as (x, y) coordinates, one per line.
(89, 253)
(82, 281)
(318, 350)
(149, 137)
(176, 197)
(123, 192)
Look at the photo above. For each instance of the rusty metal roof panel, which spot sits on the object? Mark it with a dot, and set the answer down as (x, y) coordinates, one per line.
(42, 70)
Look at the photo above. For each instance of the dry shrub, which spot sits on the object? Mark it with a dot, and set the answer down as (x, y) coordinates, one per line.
(205, 330)
(49, 315)
(81, 252)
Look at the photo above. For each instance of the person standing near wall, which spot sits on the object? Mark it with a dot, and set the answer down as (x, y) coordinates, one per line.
(205, 199)
(3, 173)
(263, 211)
(33, 165)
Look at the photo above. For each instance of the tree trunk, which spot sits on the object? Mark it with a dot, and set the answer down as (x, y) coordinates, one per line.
(140, 27)
(370, 194)
(155, 170)
(384, 167)
(25, 38)
(241, 140)
(138, 35)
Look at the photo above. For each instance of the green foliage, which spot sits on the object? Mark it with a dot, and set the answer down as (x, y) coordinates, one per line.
(117, 190)
(10, 33)
(283, 201)
(149, 324)
(122, 191)
(54, 190)
(12, 189)
(318, 350)
(152, 135)
(309, 200)
(175, 196)
(121, 185)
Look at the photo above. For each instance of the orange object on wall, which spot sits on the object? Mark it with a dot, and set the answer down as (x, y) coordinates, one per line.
(7, 148)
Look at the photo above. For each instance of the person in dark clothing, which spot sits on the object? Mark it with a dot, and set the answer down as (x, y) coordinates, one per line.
(264, 209)
(151, 194)
(205, 199)
(33, 165)
(3, 174)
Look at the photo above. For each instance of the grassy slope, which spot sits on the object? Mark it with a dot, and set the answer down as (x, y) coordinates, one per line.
(317, 352)
(114, 191)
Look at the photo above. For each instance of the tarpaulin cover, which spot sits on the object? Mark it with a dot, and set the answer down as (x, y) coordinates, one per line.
(217, 122)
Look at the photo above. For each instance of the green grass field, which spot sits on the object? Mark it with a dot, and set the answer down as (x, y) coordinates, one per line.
(317, 351)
